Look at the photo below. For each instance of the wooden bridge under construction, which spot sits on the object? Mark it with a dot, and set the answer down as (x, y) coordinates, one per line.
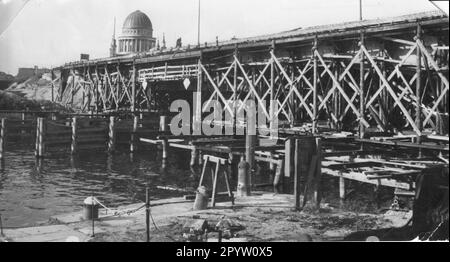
(379, 75)
(372, 87)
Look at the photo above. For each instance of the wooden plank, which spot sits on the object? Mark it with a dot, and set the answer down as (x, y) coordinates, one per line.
(362, 178)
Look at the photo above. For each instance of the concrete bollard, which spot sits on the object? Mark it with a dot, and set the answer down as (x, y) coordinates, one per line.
(243, 187)
(201, 199)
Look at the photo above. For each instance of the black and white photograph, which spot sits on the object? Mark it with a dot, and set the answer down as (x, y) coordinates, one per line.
(236, 122)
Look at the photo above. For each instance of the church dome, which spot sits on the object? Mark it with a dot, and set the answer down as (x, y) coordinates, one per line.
(137, 20)
(137, 34)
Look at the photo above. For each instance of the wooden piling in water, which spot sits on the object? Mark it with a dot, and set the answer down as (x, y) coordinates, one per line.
(2, 137)
(74, 145)
(163, 127)
(111, 134)
(133, 146)
(40, 134)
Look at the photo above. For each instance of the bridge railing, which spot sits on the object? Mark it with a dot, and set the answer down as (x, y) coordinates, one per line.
(168, 72)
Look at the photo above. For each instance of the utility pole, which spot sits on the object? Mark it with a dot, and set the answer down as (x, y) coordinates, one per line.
(360, 10)
(198, 40)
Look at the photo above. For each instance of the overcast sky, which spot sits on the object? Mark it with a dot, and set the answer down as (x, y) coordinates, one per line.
(50, 32)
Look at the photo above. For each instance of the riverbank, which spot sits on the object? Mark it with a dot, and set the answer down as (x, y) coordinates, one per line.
(260, 217)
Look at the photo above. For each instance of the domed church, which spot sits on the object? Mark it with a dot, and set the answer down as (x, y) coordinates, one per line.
(137, 35)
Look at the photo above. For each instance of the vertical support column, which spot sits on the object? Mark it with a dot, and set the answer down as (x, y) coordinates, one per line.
(251, 138)
(297, 175)
(342, 188)
(292, 100)
(235, 79)
(40, 133)
(134, 136)
(194, 154)
(288, 163)
(384, 94)
(53, 85)
(74, 146)
(362, 103)
(198, 100)
(23, 117)
(133, 89)
(163, 127)
(335, 98)
(2, 137)
(318, 175)
(315, 117)
(272, 90)
(250, 144)
(419, 85)
(111, 134)
(72, 92)
(96, 93)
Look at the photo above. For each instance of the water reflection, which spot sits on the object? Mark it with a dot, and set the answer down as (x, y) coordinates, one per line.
(33, 189)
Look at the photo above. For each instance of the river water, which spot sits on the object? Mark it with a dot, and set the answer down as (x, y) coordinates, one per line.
(32, 191)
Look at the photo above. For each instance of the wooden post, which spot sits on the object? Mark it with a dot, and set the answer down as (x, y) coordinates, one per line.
(318, 175)
(163, 127)
(147, 214)
(250, 144)
(72, 93)
(272, 92)
(36, 150)
(336, 110)
(235, 93)
(111, 134)
(197, 119)
(193, 155)
(419, 85)
(304, 157)
(342, 188)
(288, 159)
(2, 137)
(278, 178)
(53, 85)
(42, 137)
(134, 136)
(200, 157)
(314, 120)
(133, 90)
(362, 103)
(297, 175)
(74, 146)
(243, 186)
(40, 133)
